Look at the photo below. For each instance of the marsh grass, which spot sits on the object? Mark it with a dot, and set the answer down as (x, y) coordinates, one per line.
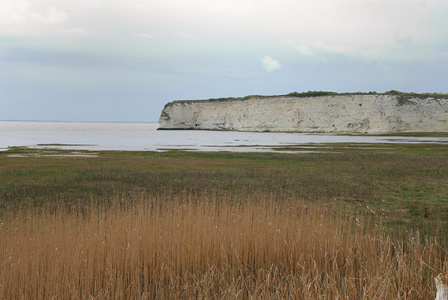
(207, 246)
(350, 222)
(406, 184)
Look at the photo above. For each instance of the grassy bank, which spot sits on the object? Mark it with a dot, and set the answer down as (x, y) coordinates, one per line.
(350, 221)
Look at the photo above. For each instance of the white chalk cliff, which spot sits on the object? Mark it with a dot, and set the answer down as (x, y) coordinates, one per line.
(342, 113)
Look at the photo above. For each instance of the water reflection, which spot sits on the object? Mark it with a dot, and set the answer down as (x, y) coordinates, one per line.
(144, 136)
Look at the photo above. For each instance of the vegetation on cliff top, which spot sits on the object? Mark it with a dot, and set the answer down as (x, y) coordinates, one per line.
(403, 96)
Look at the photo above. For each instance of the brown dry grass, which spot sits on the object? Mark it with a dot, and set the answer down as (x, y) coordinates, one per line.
(209, 247)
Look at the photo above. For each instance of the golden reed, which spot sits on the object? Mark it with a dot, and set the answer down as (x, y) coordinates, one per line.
(194, 247)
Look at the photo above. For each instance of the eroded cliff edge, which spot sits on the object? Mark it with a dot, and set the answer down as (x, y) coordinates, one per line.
(341, 113)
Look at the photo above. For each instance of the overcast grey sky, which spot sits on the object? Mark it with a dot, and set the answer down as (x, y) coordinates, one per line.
(122, 60)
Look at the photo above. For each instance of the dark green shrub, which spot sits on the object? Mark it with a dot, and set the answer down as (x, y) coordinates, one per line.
(312, 94)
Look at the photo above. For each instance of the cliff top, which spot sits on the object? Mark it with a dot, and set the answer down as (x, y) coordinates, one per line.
(403, 97)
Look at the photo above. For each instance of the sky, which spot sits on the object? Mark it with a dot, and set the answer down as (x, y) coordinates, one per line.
(123, 60)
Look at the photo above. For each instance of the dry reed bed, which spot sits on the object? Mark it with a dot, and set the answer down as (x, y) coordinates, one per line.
(197, 247)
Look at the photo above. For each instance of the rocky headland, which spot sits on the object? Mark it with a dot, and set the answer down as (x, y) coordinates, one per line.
(313, 112)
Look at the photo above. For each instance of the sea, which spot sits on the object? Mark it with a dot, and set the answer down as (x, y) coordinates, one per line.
(146, 137)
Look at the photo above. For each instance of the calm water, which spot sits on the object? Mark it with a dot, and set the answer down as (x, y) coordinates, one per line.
(126, 136)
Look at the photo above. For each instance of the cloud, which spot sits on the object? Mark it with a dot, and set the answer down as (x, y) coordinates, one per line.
(78, 32)
(406, 41)
(20, 12)
(186, 35)
(305, 50)
(145, 36)
(341, 27)
(270, 64)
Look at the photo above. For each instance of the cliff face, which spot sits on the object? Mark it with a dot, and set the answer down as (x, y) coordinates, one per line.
(332, 114)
